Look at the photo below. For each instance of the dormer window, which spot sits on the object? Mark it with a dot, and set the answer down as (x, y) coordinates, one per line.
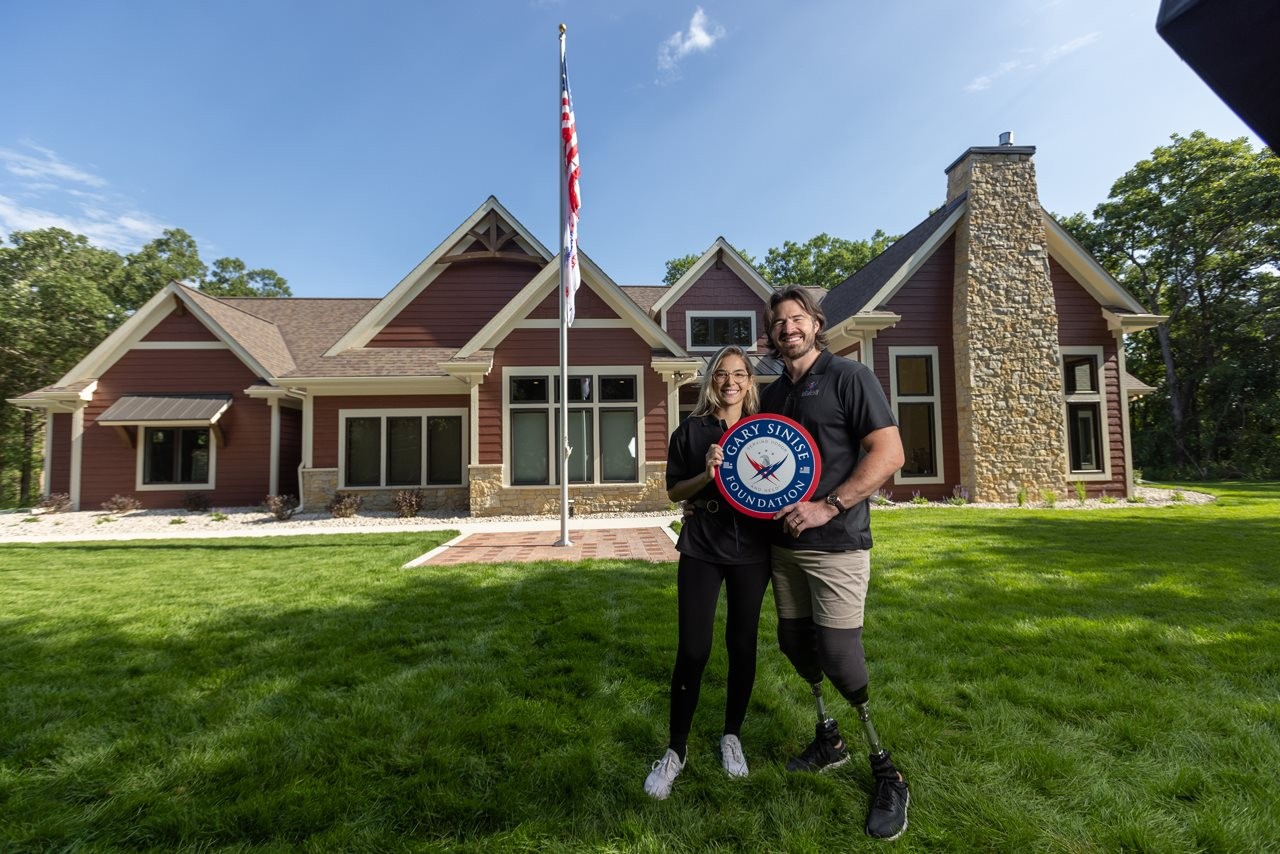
(711, 330)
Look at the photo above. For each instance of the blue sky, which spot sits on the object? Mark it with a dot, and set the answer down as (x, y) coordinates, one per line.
(338, 143)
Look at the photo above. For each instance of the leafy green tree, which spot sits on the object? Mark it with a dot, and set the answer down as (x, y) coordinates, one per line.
(52, 309)
(823, 260)
(171, 257)
(1194, 233)
(229, 278)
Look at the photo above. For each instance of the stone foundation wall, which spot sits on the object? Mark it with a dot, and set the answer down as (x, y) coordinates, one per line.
(489, 497)
(1005, 322)
(318, 486)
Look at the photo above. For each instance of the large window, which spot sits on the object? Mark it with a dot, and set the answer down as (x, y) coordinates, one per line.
(711, 330)
(181, 456)
(604, 415)
(918, 406)
(1085, 409)
(402, 448)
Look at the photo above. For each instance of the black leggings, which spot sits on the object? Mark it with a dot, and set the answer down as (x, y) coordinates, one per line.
(698, 588)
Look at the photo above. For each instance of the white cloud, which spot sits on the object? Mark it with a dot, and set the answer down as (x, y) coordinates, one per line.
(977, 84)
(701, 36)
(52, 193)
(1049, 56)
(1053, 54)
(45, 165)
(122, 232)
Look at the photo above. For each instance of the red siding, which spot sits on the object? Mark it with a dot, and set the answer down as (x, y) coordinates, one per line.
(456, 305)
(290, 449)
(326, 430)
(924, 302)
(60, 453)
(242, 468)
(540, 347)
(180, 327)
(1081, 324)
(586, 304)
(716, 290)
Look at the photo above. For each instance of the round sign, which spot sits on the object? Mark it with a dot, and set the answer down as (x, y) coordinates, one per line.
(770, 461)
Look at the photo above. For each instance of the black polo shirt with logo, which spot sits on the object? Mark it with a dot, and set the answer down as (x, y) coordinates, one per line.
(839, 401)
(716, 532)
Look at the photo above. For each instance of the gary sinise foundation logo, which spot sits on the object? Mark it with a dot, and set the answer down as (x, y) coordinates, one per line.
(770, 461)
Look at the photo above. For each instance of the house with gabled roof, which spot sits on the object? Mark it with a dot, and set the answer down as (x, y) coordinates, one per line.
(997, 338)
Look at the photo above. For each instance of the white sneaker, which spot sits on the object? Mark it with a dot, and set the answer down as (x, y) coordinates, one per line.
(735, 764)
(658, 783)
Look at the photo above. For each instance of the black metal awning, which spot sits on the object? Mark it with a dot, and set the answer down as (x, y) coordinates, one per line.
(165, 409)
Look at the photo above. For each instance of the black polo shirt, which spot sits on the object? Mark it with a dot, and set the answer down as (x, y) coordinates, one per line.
(839, 401)
(722, 534)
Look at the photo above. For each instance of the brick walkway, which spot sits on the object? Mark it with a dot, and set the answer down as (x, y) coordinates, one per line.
(652, 544)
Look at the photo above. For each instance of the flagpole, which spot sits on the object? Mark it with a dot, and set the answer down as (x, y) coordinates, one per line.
(563, 461)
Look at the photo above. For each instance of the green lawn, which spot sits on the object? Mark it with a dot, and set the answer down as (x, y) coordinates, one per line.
(1049, 680)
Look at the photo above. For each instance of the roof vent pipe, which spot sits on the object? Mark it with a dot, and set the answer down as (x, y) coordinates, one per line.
(1006, 138)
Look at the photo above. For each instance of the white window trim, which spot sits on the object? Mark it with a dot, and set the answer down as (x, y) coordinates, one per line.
(936, 399)
(1104, 414)
(384, 414)
(688, 329)
(552, 373)
(175, 487)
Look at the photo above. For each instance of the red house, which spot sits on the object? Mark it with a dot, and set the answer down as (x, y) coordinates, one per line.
(998, 340)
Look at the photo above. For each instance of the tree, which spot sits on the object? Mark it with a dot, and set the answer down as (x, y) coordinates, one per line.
(229, 278)
(171, 257)
(1194, 233)
(822, 261)
(52, 309)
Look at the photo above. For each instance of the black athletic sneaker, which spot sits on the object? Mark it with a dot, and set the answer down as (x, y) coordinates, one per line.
(827, 750)
(887, 819)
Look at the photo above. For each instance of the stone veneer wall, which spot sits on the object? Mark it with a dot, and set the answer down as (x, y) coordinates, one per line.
(318, 486)
(1008, 388)
(489, 497)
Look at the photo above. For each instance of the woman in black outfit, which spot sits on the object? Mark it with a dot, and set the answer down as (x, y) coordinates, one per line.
(717, 544)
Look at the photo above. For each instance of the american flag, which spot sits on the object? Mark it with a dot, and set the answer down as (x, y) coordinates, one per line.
(569, 170)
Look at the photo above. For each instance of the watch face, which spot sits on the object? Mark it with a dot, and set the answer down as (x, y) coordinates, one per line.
(770, 461)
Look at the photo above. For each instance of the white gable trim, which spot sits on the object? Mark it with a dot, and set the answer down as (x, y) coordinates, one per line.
(421, 276)
(732, 260)
(1085, 269)
(515, 312)
(917, 259)
(129, 335)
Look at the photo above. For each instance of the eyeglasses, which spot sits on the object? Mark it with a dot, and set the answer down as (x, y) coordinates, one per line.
(736, 376)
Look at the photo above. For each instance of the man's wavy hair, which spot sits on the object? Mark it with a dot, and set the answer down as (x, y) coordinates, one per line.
(709, 396)
(810, 307)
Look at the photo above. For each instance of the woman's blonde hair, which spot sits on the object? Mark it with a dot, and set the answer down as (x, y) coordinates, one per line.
(709, 399)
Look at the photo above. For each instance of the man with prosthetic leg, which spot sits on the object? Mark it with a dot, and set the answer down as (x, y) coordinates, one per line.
(821, 551)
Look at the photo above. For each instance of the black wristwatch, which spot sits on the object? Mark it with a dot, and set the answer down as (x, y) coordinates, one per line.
(834, 501)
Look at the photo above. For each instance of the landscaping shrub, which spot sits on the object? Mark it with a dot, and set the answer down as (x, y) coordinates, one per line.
(196, 502)
(55, 502)
(344, 504)
(121, 504)
(882, 497)
(408, 502)
(959, 495)
(282, 506)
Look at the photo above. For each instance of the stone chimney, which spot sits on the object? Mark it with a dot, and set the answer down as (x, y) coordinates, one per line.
(1005, 324)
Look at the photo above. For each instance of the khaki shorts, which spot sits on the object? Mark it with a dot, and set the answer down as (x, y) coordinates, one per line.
(831, 587)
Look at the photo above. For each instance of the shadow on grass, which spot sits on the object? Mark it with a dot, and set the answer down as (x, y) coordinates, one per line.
(360, 706)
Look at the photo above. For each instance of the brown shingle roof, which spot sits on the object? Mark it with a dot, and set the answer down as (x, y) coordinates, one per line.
(261, 338)
(644, 295)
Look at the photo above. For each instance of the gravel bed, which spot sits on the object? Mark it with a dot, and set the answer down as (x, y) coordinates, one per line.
(34, 525)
